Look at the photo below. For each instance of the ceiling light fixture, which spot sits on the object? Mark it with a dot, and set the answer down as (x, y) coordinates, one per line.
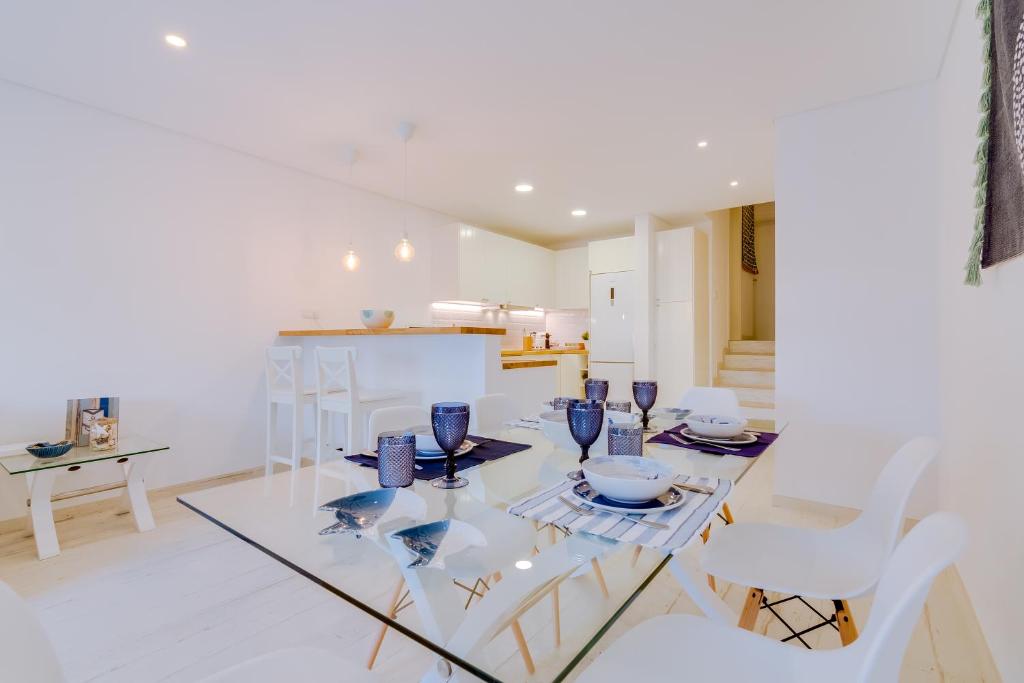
(351, 260)
(734, 183)
(523, 564)
(702, 144)
(404, 251)
(579, 212)
(524, 187)
(175, 40)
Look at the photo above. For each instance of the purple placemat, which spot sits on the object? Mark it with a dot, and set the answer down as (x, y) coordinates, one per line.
(764, 440)
(487, 450)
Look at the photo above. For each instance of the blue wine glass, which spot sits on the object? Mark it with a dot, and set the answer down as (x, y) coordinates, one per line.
(645, 393)
(585, 418)
(450, 422)
(596, 389)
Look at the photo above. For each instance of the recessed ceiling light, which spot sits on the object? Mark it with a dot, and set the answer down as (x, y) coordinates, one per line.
(734, 183)
(523, 564)
(702, 144)
(524, 187)
(579, 212)
(175, 41)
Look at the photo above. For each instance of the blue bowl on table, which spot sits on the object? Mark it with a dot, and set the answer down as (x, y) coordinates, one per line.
(45, 449)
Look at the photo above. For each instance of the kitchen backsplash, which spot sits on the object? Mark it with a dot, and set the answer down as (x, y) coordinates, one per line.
(564, 326)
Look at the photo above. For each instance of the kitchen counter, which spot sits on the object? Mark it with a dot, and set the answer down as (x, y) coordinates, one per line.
(542, 352)
(519, 364)
(362, 331)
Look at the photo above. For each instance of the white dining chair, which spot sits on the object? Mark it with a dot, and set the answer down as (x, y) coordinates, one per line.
(710, 401)
(338, 392)
(831, 564)
(491, 412)
(285, 388)
(394, 418)
(661, 648)
(26, 654)
(299, 664)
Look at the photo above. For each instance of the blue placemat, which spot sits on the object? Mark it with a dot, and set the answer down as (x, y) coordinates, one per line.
(485, 451)
(764, 440)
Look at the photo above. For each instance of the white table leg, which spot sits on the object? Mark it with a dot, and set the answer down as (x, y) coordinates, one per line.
(40, 488)
(134, 476)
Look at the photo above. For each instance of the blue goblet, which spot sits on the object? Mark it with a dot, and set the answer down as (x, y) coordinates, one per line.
(596, 389)
(585, 418)
(645, 393)
(451, 424)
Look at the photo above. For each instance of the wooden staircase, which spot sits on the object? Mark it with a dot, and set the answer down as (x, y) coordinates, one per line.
(748, 368)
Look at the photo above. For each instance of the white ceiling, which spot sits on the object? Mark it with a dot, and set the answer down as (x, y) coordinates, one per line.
(598, 103)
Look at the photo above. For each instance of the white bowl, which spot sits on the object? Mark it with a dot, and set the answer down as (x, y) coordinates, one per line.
(716, 426)
(425, 441)
(628, 479)
(555, 426)
(377, 318)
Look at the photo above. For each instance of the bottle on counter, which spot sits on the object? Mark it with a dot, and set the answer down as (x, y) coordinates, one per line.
(547, 340)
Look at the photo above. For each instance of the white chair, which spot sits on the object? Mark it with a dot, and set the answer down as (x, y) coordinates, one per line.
(834, 564)
(394, 418)
(294, 664)
(660, 648)
(491, 412)
(338, 391)
(26, 655)
(284, 388)
(710, 401)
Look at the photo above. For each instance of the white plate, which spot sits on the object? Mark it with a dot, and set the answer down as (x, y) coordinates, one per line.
(744, 439)
(644, 509)
(466, 447)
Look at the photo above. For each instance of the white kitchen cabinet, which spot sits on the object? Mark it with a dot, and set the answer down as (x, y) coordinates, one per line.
(673, 274)
(611, 256)
(572, 278)
(470, 264)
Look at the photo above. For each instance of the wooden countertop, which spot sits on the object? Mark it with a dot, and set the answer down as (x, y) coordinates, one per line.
(362, 331)
(520, 364)
(543, 352)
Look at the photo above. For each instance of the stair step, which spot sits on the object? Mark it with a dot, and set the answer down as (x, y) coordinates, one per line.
(752, 396)
(748, 361)
(752, 346)
(747, 378)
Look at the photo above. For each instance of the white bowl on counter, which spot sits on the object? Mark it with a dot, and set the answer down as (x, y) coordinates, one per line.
(628, 479)
(555, 426)
(376, 318)
(716, 426)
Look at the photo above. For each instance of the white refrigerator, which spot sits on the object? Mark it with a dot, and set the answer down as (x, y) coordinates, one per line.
(611, 332)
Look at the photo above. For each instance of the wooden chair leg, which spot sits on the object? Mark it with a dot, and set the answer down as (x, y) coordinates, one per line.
(751, 608)
(557, 614)
(727, 513)
(844, 619)
(392, 611)
(636, 554)
(524, 651)
(599, 575)
(552, 535)
(704, 536)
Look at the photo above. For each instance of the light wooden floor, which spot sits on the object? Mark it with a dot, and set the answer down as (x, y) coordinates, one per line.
(187, 599)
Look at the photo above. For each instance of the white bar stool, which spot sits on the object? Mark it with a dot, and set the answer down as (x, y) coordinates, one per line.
(284, 387)
(338, 391)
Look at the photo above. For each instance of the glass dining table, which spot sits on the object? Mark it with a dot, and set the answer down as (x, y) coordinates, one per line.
(531, 602)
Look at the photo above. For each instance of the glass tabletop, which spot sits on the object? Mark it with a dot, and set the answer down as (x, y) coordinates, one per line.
(474, 608)
(16, 460)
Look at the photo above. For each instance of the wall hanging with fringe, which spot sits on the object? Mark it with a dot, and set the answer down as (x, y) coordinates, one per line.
(748, 255)
(999, 183)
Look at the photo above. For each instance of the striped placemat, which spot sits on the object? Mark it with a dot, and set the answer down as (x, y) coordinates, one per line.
(684, 522)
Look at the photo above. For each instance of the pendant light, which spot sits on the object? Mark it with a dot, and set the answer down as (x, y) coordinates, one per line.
(404, 250)
(351, 260)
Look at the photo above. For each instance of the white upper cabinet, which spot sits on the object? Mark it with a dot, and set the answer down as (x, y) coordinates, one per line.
(477, 265)
(611, 256)
(674, 271)
(572, 278)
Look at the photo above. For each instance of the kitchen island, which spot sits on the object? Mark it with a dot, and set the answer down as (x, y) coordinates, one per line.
(433, 364)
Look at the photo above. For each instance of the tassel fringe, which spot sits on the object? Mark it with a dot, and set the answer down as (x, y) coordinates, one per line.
(973, 266)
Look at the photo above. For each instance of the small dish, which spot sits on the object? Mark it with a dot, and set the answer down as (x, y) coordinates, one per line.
(425, 441)
(466, 447)
(742, 439)
(431, 543)
(45, 449)
(361, 512)
(669, 500)
(628, 479)
(716, 426)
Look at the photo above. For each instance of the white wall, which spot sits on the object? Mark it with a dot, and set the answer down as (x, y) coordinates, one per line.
(146, 265)
(981, 334)
(718, 257)
(856, 315)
